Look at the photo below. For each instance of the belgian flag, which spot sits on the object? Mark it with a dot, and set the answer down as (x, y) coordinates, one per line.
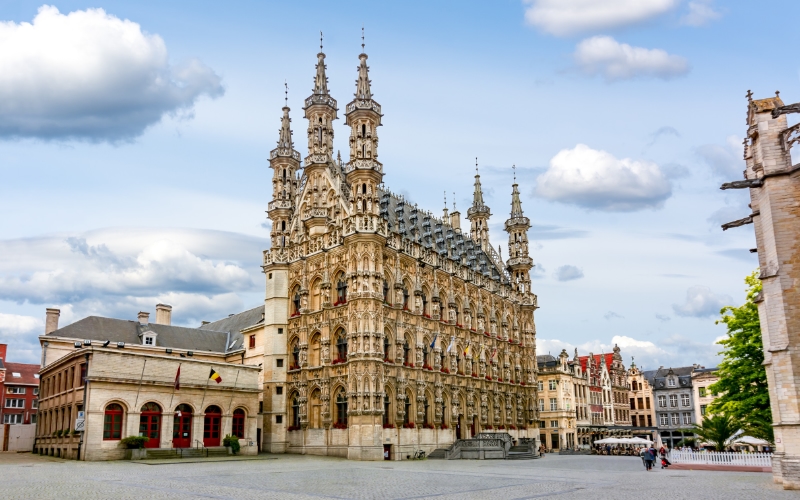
(215, 376)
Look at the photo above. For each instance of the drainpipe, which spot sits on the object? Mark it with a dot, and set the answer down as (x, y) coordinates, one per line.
(85, 409)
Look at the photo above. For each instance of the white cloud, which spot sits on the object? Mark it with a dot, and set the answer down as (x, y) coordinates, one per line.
(612, 315)
(567, 17)
(89, 75)
(14, 324)
(602, 55)
(701, 12)
(568, 273)
(701, 302)
(597, 180)
(725, 162)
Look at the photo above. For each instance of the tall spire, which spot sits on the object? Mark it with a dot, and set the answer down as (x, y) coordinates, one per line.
(285, 144)
(516, 204)
(478, 214)
(321, 79)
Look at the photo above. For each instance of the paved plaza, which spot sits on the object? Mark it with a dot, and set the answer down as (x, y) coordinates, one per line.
(295, 476)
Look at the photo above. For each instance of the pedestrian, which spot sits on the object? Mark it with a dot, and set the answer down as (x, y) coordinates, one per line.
(641, 454)
(649, 457)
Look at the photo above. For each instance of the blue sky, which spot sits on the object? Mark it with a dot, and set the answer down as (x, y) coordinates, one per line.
(133, 147)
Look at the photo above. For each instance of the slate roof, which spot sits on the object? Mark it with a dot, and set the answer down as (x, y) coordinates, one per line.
(546, 360)
(98, 328)
(657, 378)
(437, 235)
(235, 323)
(28, 374)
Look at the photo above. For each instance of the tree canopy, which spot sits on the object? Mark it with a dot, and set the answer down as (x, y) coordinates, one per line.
(717, 430)
(742, 386)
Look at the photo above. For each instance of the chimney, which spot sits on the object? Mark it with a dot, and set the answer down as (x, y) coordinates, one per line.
(3, 348)
(51, 322)
(144, 317)
(163, 314)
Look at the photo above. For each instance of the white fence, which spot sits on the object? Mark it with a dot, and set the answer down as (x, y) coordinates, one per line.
(721, 458)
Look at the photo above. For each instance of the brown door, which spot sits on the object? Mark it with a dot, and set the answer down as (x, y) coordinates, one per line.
(211, 426)
(182, 427)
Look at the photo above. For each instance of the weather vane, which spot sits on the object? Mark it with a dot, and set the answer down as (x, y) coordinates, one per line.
(476, 165)
(362, 38)
(320, 41)
(514, 168)
(286, 93)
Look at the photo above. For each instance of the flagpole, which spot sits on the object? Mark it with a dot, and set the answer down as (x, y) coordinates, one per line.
(139, 388)
(173, 389)
(204, 393)
(233, 393)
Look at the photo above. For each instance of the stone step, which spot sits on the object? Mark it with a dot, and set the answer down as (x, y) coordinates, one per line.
(438, 453)
(521, 456)
(161, 453)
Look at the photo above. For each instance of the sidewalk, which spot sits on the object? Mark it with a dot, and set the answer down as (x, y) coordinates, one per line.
(729, 468)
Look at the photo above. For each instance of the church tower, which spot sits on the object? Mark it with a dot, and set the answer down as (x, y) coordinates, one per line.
(320, 109)
(284, 162)
(519, 262)
(364, 172)
(478, 214)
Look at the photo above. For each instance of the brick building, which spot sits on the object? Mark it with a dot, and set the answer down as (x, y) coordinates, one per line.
(19, 391)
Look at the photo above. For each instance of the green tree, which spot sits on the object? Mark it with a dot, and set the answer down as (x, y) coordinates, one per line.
(742, 385)
(716, 430)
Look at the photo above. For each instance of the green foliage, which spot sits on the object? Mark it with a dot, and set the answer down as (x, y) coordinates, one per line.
(716, 430)
(232, 442)
(690, 442)
(742, 386)
(134, 442)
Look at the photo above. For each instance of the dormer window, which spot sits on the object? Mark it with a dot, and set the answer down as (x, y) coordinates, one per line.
(149, 338)
(672, 382)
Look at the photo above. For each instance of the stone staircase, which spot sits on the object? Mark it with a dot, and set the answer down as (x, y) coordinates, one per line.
(177, 453)
(520, 453)
(438, 454)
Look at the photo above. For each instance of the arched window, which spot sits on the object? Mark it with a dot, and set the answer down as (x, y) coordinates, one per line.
(386, 346)
(363, 130)
(316, 299)
(405, 297)
(364, 188)
(112, 422)
(387, 410)
(341, 408)
(363, 205)
(406, 353)
(341, 346)
(408, 407)
(295, 357)
(341, 289)
(426, 359)
(314, 355)
(295, 412)
(386, 291)
(425, 303)
(238, 423)
(283, 225)
(296, 301)
(426, 411)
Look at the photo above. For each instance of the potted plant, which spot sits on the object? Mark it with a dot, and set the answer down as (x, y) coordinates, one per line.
(232, 444)
(134, 447)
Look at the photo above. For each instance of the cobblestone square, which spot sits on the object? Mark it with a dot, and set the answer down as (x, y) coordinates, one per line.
(293, 476)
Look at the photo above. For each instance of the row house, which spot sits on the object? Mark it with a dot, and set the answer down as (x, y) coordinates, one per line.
(19, 391)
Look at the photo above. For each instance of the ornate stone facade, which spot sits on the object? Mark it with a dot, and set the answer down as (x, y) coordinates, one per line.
(393, 329)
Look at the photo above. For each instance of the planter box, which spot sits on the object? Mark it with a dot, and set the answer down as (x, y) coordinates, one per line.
(136, 454)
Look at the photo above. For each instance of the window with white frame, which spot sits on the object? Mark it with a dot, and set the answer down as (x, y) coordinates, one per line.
(671, 382)
(35, 403)
(15, 390)
(542, 424)
(554, 423)
(541, 405)
(15, 403)
(703, 410)
(664, 419)
(16, 374)
(553, 404)
(662, 401)
(540, 385)
(35, 391)
(673, 400)
(676, 418)
(684, 400)
(551, 385)
(12, 418)
(687, 418)
(149, 338)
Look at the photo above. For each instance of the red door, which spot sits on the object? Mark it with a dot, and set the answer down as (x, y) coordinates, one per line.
(182, 427)
(211, 426)
(150, 425)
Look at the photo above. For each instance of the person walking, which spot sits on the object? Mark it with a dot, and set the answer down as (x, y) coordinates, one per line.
(649, 457)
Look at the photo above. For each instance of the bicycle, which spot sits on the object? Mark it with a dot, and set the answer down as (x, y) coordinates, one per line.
(419, 455)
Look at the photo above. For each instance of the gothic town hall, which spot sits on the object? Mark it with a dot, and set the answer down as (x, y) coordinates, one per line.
(386, 328)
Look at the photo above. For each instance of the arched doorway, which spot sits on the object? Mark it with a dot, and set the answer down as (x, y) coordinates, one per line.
(150, 424)
(182, 427)
(211, 426)
(458, 426)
